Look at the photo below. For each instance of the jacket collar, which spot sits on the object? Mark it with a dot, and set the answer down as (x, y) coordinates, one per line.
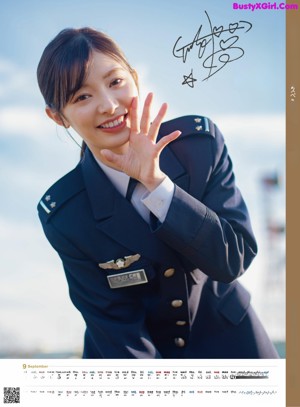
(117, 218)
(104, 197)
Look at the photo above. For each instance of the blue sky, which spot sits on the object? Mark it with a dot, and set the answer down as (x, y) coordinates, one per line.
(246, 99)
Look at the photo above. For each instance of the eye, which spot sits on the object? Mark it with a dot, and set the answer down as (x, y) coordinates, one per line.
(116, 82)
(81, 98)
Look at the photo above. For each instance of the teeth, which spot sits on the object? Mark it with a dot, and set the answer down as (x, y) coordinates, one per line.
(112, 124)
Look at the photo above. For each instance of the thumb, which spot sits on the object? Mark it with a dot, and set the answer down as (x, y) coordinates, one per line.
(112, 158)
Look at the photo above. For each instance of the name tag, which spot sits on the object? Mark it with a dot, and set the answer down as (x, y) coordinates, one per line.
(127, 279)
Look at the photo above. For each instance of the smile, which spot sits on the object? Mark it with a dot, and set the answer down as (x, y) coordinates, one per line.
(114, 123)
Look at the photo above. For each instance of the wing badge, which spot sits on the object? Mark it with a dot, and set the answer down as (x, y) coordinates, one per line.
(120, 263)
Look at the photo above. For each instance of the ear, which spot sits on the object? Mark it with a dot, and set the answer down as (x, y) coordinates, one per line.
(57, 117)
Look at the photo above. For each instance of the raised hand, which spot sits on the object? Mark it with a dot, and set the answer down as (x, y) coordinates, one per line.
(141, 159)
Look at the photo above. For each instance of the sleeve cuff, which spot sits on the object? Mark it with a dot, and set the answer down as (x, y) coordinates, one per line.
(159, 200)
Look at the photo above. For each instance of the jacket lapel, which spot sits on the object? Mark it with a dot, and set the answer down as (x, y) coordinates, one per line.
(116, 217)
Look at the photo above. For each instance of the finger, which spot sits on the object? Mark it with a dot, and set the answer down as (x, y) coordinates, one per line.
(166, 140)
(145, 120)
(134, 119)
(113, 159)
(155, 125)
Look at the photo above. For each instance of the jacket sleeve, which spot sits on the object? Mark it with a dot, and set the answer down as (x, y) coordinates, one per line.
(214, 233)
(114, 318)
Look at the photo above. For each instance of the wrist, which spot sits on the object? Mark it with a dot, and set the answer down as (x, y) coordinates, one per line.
(152, 183)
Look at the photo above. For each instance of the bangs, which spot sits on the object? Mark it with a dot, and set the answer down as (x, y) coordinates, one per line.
(72, 72)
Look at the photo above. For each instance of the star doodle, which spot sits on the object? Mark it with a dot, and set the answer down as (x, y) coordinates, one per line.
(189, 80)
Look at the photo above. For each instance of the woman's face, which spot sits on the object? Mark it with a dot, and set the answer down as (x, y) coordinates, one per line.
(99, 111)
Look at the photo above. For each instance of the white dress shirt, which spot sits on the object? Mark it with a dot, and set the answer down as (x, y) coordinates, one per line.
(158, 201)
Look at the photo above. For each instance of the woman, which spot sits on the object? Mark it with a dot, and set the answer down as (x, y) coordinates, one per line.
(153, 272)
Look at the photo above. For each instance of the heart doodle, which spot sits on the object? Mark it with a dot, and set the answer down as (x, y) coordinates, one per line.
(228, 43)
(233, 27)
(218, 31)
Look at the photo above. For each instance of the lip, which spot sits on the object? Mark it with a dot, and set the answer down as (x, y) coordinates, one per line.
(114, 128)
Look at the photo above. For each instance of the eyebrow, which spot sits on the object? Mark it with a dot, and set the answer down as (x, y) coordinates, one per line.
(113, 70)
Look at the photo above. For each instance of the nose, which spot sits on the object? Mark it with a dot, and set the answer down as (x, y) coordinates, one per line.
(107, 104)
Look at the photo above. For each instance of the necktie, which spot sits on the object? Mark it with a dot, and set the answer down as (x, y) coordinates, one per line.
(131, 185)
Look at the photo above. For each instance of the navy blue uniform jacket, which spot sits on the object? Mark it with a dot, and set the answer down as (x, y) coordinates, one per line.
(192, 305)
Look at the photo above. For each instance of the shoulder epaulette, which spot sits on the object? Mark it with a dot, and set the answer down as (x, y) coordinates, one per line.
(60, 192)
(188, 125)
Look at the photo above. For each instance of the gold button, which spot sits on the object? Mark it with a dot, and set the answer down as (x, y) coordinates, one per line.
(176, 303)
(179, 342)
(180, 323)
(169, 272)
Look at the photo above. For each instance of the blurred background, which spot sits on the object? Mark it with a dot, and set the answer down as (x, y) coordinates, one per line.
(246, 98)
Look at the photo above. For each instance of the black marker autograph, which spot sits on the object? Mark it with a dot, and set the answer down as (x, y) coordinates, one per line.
(222, 49)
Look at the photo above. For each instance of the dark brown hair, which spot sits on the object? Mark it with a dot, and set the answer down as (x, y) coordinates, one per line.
(64, 64)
